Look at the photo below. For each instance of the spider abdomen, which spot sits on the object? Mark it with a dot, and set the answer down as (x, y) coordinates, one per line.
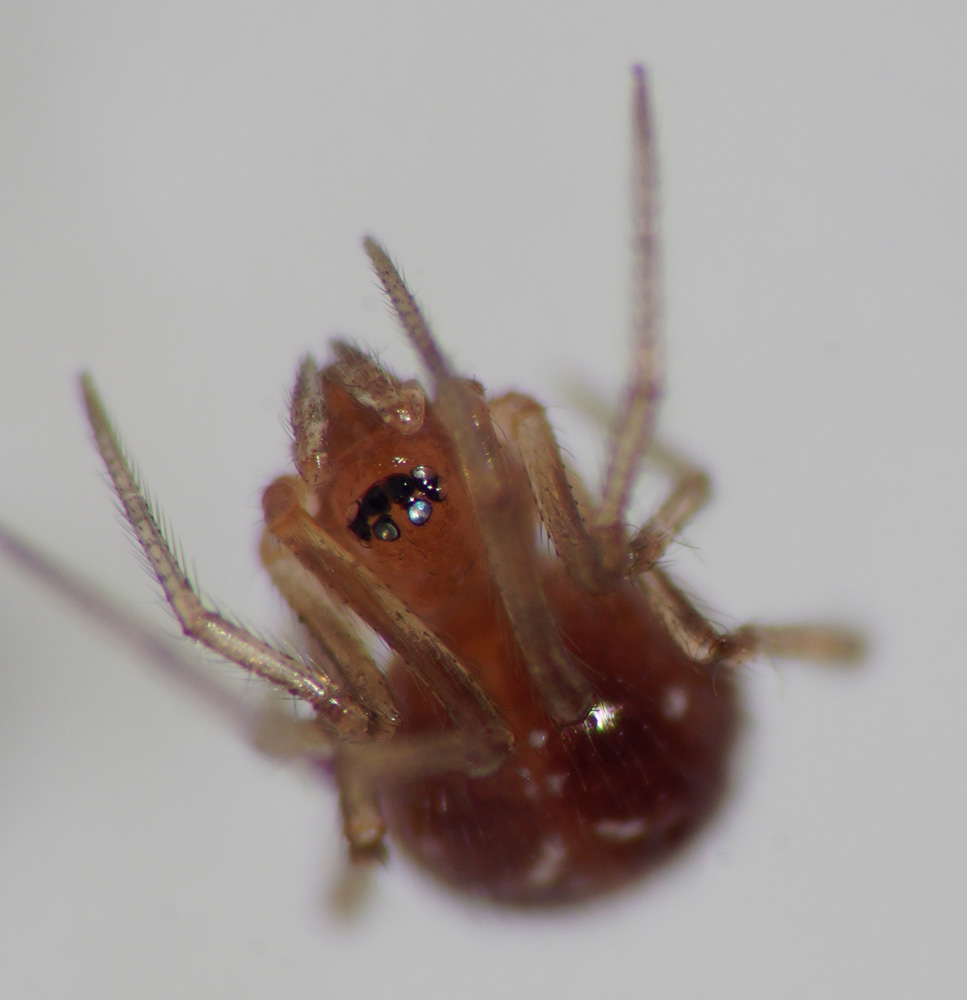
(579, 809)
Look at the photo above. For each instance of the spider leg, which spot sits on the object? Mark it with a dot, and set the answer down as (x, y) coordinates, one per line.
(332, 704)
(703, 643)
(363, 825)
(332, 630)
(484, 736)
(359, 768)
(525, 423)
(634, 426)
(362, 768)
(507, 535)
(689, 493)
(400, 404)
(823, 642)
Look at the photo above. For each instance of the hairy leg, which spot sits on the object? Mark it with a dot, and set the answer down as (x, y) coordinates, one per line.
(703, 643)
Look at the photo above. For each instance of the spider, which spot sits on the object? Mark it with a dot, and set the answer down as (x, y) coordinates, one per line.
(555, 719)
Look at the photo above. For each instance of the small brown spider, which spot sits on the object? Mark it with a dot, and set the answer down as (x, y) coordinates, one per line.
(550, 726)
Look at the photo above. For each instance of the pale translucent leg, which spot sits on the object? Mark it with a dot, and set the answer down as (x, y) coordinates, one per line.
(359, 767)
(485, 736)
(637, 412)
(689, 493)
(822, 642)
(332, 630)
(525, 423)
(401, 405)
(703, 643)
(502, 511)
(275, 732)
(597, 552)
(121, 623)
(566, 691)
(363, 768)
(481, 742)
(333, 706)
(363, 825)
(689, 490)
(282, 736)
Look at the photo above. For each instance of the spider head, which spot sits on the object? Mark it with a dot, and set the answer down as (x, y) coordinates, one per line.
(385, 481)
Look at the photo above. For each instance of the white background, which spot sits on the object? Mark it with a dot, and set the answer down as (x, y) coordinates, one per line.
(183, 189)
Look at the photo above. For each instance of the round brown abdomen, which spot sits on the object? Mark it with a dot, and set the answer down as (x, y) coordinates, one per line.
(578, 810)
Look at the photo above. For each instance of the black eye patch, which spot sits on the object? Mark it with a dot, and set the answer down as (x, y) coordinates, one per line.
(415, 494)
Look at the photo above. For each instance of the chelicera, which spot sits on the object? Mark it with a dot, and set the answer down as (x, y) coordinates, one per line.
(554, 720)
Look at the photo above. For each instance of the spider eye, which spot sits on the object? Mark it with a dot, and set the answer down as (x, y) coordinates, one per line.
(415, 493)
(430, 481)
(385, 529)
(419, 511)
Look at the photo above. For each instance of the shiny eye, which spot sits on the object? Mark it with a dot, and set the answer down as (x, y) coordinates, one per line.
(419, 511)
(385, 529)
(416, 493)
(430, 482)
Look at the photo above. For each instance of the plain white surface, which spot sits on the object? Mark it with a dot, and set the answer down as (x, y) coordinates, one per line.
(183, 189)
